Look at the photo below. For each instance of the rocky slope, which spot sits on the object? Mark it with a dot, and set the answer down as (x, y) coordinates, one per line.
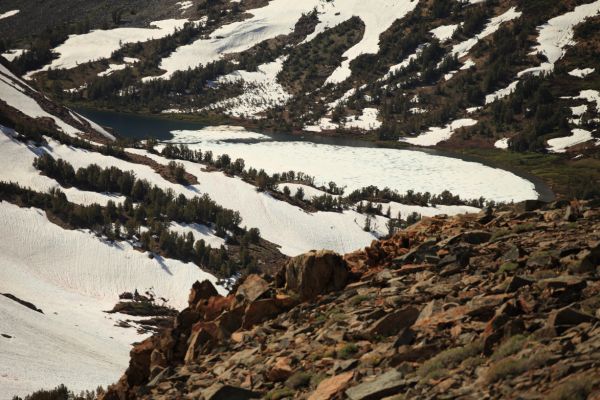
(504, 304)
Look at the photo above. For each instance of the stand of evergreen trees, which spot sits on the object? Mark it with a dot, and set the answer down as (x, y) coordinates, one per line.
(154, 202)
(124, 222)
(446, 198)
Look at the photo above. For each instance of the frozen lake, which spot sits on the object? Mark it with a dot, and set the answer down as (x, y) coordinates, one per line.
(348, 163)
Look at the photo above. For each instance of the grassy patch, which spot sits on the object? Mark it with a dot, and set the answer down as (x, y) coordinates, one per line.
(278, 394)
(450, 358)
(298, 380)
(509, 347)
(358, 299)
(577, 388)
(348, 351)
(510, 367)
(522, 228)
(499, 233)
(508, 267)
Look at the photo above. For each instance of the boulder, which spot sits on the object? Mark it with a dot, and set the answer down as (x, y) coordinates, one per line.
(201, 291)
(394, 322)
(330, 387)
(476, 237)
(260, 311)
(566, 317)
(281, 370)
(252, 288)
(139, 364)
(385, 385)
(316, 273)
(204, 335)
(227, 392)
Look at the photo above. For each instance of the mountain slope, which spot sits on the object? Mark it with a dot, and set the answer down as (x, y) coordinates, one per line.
(389, 69)
(503, 304)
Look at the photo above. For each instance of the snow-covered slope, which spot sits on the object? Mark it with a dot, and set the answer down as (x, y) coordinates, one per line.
(72, 276)
(16, 165)
(22, 98)
(276, 18)
(98, 44)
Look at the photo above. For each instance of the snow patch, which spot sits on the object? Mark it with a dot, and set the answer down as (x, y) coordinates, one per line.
(463, 48)
(501, 93)
(578, 136)
(10, 13)
(11, 55)
(444, 33)
(377, 16)
(99, 44)
(502, 144)
(261, 91)
(557, 34)
(436, 135)
(581, 73)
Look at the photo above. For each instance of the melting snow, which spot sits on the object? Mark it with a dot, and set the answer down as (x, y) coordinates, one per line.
(9, 14)
(99, 44)
(261, 91)
(444, 33)
(560, 145)
(582, 73)
(557, 34)
(502, 144)
(436, 135)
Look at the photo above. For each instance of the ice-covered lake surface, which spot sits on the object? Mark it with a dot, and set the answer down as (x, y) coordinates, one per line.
(348, 163)
(357, 167)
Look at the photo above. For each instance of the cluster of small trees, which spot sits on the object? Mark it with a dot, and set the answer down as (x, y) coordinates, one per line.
(259, 178)
(154, 202)
(374, 194)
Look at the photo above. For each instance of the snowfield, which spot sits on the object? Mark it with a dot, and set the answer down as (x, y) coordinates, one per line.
(463, 48)
(557, 34)
(277, 18)
(377, 16)
(436, 135)
(406, 210)
(261, 91)
(99, 44)
(16, 165)
(73, 277)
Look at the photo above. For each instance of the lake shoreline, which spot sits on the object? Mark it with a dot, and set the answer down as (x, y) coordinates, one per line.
(167, 124)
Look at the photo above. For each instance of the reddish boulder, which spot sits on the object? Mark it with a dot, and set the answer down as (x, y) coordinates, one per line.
(316, 273)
